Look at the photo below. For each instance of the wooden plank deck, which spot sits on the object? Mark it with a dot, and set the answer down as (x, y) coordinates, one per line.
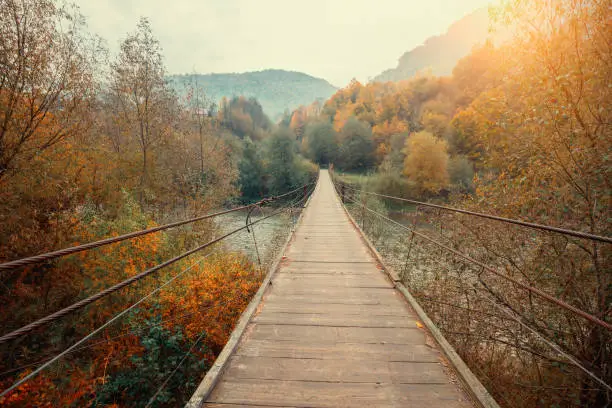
(332, 331)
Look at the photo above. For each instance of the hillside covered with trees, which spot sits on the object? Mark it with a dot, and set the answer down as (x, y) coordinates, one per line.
(276, 90)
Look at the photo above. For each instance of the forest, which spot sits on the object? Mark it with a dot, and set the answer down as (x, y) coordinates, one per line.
(92, 146)
(519, 130)
(276, 90)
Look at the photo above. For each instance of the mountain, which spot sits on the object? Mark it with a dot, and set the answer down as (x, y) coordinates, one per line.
(276, 90)
(441, 53)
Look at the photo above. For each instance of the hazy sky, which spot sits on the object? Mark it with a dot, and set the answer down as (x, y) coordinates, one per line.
(332, 39)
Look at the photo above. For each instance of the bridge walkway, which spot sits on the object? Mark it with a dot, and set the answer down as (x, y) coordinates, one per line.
(331, 330)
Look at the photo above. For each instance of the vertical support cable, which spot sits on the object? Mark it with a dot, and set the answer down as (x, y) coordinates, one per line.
(252, 231)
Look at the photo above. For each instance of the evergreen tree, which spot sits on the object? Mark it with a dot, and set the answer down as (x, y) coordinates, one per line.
(281, 161)
(322, 148)
(251, 179)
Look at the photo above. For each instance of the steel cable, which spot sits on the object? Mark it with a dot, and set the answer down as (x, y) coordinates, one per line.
(578, 234)
(107, 241)
(82, 303)
(163, 385)
(550, 343)
(488, 268)
(96, 331)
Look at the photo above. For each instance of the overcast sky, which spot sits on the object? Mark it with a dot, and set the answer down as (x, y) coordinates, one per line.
(332, 39)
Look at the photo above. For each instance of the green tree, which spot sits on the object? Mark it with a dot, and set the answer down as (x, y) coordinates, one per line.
(322, 148)
(163, 351)
(251, 179)
(281, 156)
(356, 146)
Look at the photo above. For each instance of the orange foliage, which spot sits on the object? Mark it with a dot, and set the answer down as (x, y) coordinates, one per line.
(217, 292)
(42, 390)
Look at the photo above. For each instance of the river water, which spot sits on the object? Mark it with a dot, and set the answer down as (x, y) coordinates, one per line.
(269, 235)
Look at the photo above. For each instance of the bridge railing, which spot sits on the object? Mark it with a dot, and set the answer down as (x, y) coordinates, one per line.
(520, 302)
(130, 307)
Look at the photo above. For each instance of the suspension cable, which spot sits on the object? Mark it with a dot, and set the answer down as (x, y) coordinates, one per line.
(578, 234)
(169, 377)
(550, 343)
(82, 303)
(79, 248)
(513, 315)
(136, 331)
(488, 268)
(97, 330)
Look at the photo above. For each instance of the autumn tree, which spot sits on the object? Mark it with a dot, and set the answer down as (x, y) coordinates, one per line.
(426, 162)
(71, 154)
(479, 71)
(547, 135)
(137, 80)
(244, 117)
(298, 122)
(47, 78)
(201, 111)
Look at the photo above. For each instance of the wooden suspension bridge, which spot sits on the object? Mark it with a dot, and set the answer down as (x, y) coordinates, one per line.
(329, 329)
(331, 325)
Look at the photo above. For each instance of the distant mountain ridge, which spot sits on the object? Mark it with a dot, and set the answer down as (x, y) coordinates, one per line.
(441, 53)
(276, 90)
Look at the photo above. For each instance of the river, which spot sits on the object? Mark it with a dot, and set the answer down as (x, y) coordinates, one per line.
(270, 234)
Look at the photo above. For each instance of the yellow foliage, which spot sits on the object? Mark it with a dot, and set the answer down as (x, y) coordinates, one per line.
(426, 162)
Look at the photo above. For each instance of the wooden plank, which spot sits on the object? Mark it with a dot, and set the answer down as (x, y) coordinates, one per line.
(324, 299)
(334, 370)
(330, 269)
(323, 394)
(304, 334)
(326, 350)
(317, 260)
(322, 281)
(337, 309)
(313, 257)
(365, 293)
(335, 271)
(336, 320)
